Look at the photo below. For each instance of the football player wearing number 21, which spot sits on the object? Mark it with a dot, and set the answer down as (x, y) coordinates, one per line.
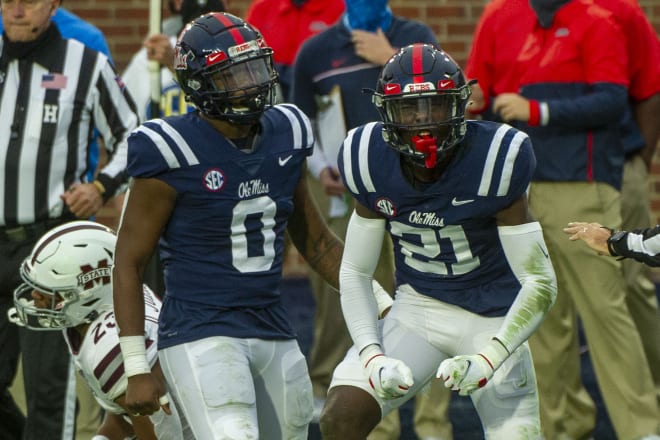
(474, 279)
(218, 189)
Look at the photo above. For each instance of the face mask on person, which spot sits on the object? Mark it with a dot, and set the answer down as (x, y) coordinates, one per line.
(546, 9)
(368, 15)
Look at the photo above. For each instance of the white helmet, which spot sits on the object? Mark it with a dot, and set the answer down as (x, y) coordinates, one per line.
(72, 263)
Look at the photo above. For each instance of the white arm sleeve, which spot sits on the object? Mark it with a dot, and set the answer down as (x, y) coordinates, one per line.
(364, 239)
(528, 258)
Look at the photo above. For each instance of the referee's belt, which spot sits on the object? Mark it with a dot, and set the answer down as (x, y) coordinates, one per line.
(31, 231)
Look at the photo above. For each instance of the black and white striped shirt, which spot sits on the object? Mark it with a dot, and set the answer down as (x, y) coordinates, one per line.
(642, 245)
(50, 99)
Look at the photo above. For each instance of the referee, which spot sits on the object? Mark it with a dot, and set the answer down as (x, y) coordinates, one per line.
(52, 93)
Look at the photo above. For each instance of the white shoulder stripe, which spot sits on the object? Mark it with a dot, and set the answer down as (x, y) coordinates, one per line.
(509, 161)
(363, 157)
(295, 125)
(348, 162)
(179, 141)
(489, 166)
(162, 146)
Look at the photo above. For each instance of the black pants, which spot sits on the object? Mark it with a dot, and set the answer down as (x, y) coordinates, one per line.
(46, 362)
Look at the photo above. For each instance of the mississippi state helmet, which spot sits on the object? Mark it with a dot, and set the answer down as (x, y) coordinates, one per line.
(71, 266)
(224, 67)
(421, 96)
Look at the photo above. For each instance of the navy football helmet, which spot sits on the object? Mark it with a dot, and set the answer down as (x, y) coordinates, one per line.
(224, 67)
(421, 96)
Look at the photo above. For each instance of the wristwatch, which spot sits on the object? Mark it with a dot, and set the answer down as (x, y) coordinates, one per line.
(614, 239)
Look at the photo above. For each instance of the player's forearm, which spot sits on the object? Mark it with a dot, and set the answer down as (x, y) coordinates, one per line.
(359, 306)
(320, 247)
(128, 301)
(528, 258)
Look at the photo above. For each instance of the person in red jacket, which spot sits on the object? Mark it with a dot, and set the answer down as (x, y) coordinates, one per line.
(516, 31)
(286, 24)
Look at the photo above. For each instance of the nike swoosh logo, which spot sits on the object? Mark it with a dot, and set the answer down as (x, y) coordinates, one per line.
(543, 251)
(283, 160)
(444, 84)
(456, 202)
(214, 57)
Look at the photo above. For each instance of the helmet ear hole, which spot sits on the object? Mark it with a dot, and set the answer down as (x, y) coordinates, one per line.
(421, 94)
(225, 68)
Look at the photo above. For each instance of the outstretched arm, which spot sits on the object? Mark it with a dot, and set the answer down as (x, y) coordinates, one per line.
(642, 245)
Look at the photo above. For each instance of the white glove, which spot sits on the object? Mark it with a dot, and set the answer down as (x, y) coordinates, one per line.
(468, 373)
(389, 377)
(383, 299)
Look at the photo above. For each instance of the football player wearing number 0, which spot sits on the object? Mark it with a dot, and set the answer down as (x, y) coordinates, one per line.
(473, 273)
(67, 287)
(218, 189)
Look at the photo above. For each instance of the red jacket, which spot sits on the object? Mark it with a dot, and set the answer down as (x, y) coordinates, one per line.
(285, 27)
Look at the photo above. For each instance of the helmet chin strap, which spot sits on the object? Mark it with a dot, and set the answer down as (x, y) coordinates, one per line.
(428, 145)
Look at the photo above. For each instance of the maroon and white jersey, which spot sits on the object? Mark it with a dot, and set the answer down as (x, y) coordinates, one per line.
(98, 356)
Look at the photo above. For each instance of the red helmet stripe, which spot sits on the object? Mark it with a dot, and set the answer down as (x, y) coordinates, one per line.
(418, 63)
(231, 27)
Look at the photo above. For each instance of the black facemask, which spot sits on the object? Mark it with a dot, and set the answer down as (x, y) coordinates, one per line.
(546, 9)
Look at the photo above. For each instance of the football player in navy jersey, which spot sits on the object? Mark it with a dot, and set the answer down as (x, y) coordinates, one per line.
(219, 188)
(473, 275)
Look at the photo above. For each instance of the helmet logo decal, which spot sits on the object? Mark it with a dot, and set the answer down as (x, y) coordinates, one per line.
(91, 275)
(392, 89)
(181, 59)
(244, 49)
(385, 206)
(446, 84)
(215, 58)
(419, 87)
(214, 180)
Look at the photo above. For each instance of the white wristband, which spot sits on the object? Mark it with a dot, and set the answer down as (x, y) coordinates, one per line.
(100, 437)
(495, 353)
(383, 299)
(135, 355)
(368, 353)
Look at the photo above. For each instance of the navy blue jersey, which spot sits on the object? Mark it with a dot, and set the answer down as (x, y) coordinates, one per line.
(446, 243)
(222, 248)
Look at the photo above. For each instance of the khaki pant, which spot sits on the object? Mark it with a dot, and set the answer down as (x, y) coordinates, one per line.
(591, 287)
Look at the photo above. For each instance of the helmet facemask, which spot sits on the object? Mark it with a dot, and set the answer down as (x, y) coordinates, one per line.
(238, 92)
(425, 126)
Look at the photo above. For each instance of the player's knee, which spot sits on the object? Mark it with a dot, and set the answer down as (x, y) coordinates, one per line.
(349, 413)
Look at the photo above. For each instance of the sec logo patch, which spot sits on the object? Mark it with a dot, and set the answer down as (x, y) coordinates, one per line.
(214, 180)
(385, 206)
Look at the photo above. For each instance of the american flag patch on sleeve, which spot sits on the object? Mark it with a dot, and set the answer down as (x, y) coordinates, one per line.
(53, 81)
